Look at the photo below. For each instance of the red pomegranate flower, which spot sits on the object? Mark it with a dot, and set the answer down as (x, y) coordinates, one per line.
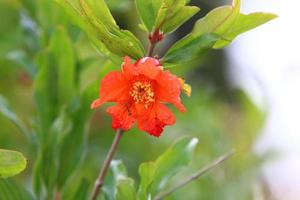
(141, 91)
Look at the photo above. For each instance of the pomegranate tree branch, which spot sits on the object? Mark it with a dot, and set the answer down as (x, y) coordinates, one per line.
(100, 180)
(154, 37)
(195, 176)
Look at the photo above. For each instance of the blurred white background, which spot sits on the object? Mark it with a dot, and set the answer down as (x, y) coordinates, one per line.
(269, 70)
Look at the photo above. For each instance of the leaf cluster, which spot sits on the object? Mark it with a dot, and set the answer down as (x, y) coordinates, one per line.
(214, 31)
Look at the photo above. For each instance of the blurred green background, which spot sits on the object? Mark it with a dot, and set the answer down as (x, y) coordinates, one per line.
(221, 117)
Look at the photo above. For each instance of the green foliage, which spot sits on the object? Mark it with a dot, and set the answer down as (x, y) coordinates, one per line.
(95, 19)
(64, 68)
(125, 189)
(7, 111)
(155, 175)
(243, 24)
(63, 111)
(166, 15)
(82, 191)
(11, 163)
(9, 190)
(190, 48)
(216, 30)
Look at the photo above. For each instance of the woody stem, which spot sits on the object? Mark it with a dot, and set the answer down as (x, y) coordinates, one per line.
(100, 180)
(151, 49)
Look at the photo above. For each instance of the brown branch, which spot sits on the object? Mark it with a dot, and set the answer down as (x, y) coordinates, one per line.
(100, 180)
(195, 176)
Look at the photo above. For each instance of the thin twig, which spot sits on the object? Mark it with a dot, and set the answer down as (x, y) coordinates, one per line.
(151, 49)
(195, 176)
(100, 180)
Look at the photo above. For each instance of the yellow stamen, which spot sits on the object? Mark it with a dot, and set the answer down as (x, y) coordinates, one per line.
(141, 92)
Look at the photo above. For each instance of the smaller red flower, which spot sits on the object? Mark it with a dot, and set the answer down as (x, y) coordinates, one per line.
(141, 91)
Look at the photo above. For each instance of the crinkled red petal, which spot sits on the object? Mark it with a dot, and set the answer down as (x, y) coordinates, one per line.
(129, 69)
(168, 89)
(122, 116)
(154, 119)
(148, 67)
(114, 88)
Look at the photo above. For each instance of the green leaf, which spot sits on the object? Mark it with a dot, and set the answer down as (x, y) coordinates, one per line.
(219, 20)
(45, 91)
(117, 172)
(72, 148)
(7, 111)
(146, 13)
(189, 48)
(82, 191)
(155, 175)
(243, 24)
(11, 163)
(168, 164)
(101, 11)
(118, 169)
(167, 15)
(54, 90)
(48, 14)
(61, 46)
(95, 19)
(73, 142)
(167, 10)
(74, 11)
(125, 189)
(204, 34)
(146, 172)
(181, 16)
(10, 190)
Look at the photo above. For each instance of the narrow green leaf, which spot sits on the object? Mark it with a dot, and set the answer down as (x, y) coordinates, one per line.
(82, 191)
(37, 177)
(48, 14)
(205, 33)
(72, 148)
(74, 11)
(102, 12)
(188, 48)
(61, 46)
(7, 111)
(155, 175)
(120, 42)
(167, 15)
(167, 9)
(168, 164)
(45, 91)
(146, 13)
(10, 190)
(146, 172)
(178, 18)
(243, 24)
(95, 19)
(218, 21)
(11, 163)
(125, 189)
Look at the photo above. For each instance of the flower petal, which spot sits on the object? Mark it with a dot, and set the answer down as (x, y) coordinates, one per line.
(149, 67)
(168, 90)
(122, 116)
(113, 88)
(154, 119)
(128, 68)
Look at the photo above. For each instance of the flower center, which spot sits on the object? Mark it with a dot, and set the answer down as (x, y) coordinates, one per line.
(142, 92)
